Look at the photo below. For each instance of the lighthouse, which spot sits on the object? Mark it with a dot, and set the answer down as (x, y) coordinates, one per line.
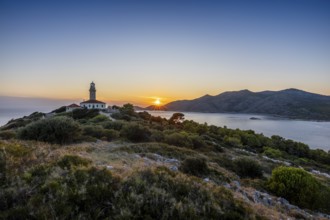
(93, 103)
(92, 92)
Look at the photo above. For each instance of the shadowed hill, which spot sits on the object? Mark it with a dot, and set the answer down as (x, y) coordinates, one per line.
(292, 103)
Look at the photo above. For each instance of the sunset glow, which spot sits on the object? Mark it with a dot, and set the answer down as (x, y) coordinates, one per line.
(189, 49)
(157, 102)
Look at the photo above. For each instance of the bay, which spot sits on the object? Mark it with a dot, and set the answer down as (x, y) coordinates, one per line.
(313, 133)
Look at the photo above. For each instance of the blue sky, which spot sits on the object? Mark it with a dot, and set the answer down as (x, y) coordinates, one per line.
(139, 50)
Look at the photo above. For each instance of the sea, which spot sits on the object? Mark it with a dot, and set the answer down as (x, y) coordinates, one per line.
(313, 133)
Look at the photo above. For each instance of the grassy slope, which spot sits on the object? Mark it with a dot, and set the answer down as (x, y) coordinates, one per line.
(145, 179)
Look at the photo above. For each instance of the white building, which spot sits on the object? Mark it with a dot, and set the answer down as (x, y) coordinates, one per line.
(72, 107)
(92, 103)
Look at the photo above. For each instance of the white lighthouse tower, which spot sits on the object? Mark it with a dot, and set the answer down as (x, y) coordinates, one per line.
(92, 103)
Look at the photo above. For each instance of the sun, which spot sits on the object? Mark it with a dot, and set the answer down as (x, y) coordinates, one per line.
(157, 102)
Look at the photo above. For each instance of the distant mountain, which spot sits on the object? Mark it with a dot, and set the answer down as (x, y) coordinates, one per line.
(291, 103)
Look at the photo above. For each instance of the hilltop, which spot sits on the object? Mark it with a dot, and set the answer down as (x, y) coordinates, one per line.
(290, 103)
(89, 164)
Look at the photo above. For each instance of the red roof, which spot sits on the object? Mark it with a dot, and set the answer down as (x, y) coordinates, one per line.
(73, 105)
(92, 101)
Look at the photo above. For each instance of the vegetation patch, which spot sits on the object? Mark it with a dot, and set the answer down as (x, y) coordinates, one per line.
(246, 167)
(60, 130)
(300, 188)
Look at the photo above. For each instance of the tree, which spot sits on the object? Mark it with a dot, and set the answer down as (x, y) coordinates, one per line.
(177, 118)
(127, 109)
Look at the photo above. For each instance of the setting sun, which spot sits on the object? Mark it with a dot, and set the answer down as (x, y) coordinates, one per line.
(157, 102)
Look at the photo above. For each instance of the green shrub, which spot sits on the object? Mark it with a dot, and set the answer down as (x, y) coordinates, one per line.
(99, 119)
(135, 132)
(157, 136)
(162, 194)
(197, 141)
(116, 125)
(16, 150)
(194, 166)
(245, 167)
(3, 169)
(225, 161)
(110, 134)
(178, 139)
(273, 153)
(233, 141)
(59, 110)
(59, 130)
(93, 131)
(296, 185)
(84, 113)
(7, 134)
(69, 161)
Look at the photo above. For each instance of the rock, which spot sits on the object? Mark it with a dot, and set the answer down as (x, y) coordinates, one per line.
(237, 184)
(227, 185)
(175, 161)
(158, 157)
(283, 201)
(206, 180)
(109, 167)
(267, 201)
(256, 197)
(174, 168)
(320, 173)
(147, 161)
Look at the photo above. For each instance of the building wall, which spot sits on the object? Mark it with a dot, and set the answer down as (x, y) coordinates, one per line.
(69, 109)
(93, 105)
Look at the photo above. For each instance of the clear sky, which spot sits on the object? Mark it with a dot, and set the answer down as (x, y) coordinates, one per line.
(137, 50)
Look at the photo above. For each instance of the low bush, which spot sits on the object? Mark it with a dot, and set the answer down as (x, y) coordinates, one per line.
(300, 188)
(93, 131)
(7, 134)
(116, 125)
(246, 167)
(59, 110)
(110, 134)
(60, 130)
(121, 116)
(194, 166)
(84, 113)
(273, 153)
(178, 139)
(91, 193)
(135, 132)
(157, 136)
(162, 194)
(99, 119)
(69, 161)
(233, 141)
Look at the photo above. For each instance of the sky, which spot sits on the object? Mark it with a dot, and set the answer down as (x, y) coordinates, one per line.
(138, 51)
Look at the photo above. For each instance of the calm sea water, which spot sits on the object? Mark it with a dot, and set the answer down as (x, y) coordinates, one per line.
(315, 134)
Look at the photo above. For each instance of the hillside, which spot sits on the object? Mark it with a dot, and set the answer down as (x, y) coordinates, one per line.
(291, 103)
(88, 164)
